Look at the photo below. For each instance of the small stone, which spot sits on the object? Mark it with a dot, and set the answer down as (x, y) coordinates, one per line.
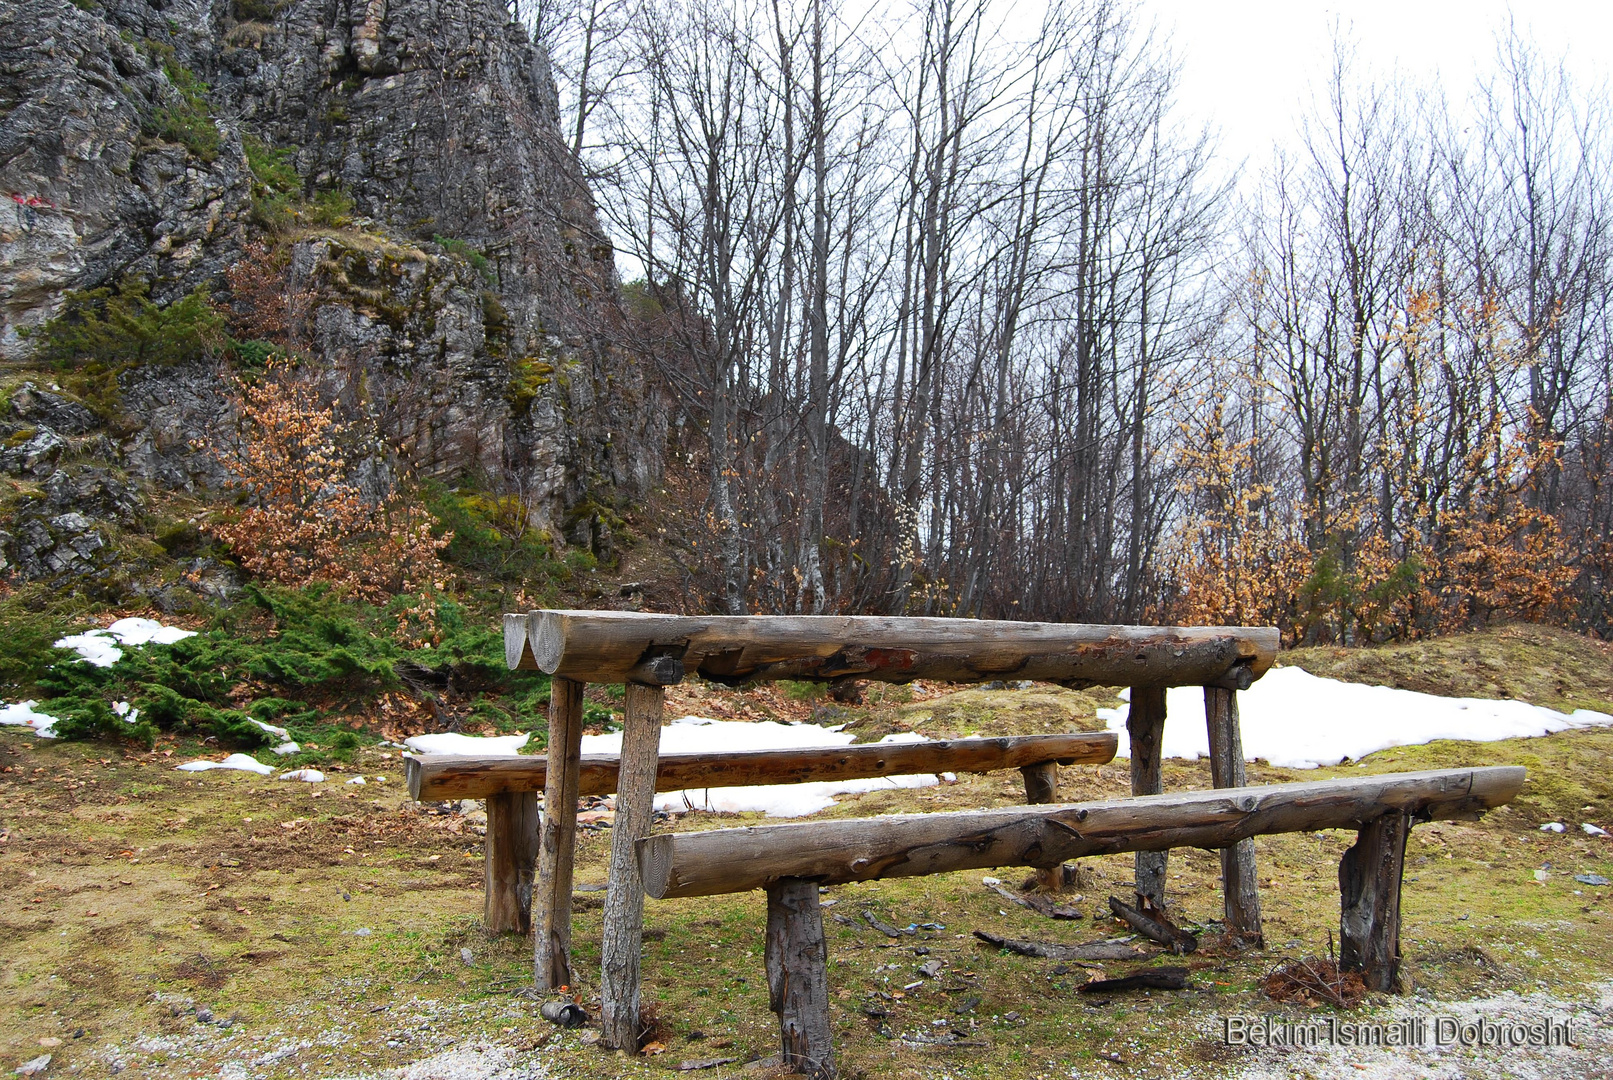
(34, 1066)
(467, 956)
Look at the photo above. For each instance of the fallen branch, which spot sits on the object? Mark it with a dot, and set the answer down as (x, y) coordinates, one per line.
(1049, 950)
(883, 927)
(1037, 903)
(1155, 926)
(1165, 978)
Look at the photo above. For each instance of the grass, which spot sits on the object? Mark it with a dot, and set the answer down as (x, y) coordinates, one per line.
(250, 899)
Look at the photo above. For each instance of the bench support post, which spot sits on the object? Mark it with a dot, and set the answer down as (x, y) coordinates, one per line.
(1369, 901)
(624, 903)
(507, 856)
(798, 978)
(1042, 787)
(1239, 886)
(1145, 724)
(551, 945)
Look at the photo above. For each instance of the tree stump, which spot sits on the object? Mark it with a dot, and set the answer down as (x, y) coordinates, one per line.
(1369, 901)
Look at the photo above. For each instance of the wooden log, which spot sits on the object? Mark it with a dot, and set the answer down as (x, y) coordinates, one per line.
(1049, 950)
(605, 646)
(448, 776)
(797, 955)
(1145, 725)
(1240, 891)
(1042, 788)
(551, 943)
(1369, 901)
(508, 855)
(1161, 978)
(1154, 925)
(624, 902)
(909, 845)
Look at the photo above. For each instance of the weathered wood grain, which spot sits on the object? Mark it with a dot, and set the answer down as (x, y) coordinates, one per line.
(624, 902)
(797, 959)
(551, 945)
(508, 857)
(447, 776)
(1240, 892)
(1369, 901)
(1145, 728)
(606, 646)
(907, 845)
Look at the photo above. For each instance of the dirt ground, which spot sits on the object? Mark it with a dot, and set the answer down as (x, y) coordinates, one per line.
(169, 924)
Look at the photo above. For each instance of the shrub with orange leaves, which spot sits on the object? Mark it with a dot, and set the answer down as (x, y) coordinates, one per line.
(305, 521)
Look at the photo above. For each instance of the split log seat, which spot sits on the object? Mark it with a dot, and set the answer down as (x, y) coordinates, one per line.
(791, 861)
(510, 785)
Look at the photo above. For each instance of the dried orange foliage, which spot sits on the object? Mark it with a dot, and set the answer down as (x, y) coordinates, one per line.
(305, 520)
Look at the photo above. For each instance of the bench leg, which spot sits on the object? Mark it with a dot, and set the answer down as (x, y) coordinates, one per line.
(1041, 788)
(1239, 886)
(1145, 724)
(624, 903)
(1369, 901)
(507, 856)
(798, 976)
(551, 942)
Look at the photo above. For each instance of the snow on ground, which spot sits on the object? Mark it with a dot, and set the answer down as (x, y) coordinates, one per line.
(235, 761)
(1297, 720)
(698, 734)
(23, 714)
(467, 745)
(100, 647)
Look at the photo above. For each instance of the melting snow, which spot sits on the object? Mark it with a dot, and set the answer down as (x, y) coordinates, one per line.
(698, 734)
(234, 761)
(1297, 720)
(311, 776)
(100, 647)
(270, 729)
(23, 714)
(287, 748)
(467, 745)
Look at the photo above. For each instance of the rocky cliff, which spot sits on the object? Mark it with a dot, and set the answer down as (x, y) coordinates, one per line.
(395, 165)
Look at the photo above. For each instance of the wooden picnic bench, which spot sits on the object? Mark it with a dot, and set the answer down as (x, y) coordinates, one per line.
(791, 862)
(510, 783)
(650, 652)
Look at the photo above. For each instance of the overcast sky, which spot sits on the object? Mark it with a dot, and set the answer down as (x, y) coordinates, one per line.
(1249, 66)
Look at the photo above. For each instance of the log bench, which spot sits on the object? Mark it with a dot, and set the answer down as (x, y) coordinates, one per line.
(510, 785)
(791, 861)
(649, 652)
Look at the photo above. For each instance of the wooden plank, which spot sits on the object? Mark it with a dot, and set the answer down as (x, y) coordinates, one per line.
(1145, 726)
(1369, 901)
(604, 646)
(797, 957)
(908, 845)
(624, 902)
(448, 776)
(507, 857)
(551, 943)
(1240, 891)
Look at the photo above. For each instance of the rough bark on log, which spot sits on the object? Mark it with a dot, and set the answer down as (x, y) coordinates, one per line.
(450, 776)
(1042, 905)
(1240, 890)
(603, 646)
(1154, 926)
(624, 902)
(1160, 978)
(1369, 901)
(1049, 950)
(1145, 726)
(908, 845)
(551, 942)
(797, 956)
(508, 856)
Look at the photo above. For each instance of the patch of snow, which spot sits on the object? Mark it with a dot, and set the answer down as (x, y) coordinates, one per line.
(699, 734)
(23, 714)
(100, 647)
(1554, 826)
(287, 748)
(470, 745)
(310, 776)
(129, 713)
(1297, 720)
(358, 780)
(235, 761)
(270, 729)
(1593, 830)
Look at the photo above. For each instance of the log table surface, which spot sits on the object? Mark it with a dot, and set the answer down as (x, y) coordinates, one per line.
(649, 652)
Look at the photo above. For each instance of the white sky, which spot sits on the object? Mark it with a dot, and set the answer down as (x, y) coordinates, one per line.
(1249, 66)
